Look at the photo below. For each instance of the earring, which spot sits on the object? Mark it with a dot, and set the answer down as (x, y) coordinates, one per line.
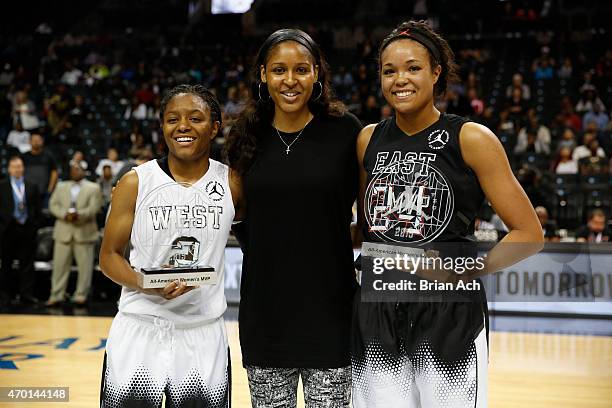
(259, 92)
(320, 92)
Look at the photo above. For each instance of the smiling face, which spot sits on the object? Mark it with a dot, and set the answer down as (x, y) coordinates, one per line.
(187, 127)
(406, 76)
(290, 73)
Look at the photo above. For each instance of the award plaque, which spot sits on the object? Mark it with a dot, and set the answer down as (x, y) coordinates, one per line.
(174, 226)
(159, 278)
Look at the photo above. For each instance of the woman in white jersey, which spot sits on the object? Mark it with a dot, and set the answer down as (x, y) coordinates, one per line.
(175, 211)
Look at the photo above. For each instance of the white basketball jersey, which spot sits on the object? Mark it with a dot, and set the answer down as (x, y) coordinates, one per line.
(180, 225)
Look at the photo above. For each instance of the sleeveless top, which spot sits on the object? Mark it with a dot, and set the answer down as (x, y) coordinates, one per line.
(419, 191)
(180, 225)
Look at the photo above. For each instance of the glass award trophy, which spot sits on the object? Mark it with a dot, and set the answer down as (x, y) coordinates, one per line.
(172, 232)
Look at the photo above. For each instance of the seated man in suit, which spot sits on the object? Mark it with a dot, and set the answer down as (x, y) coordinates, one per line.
(74, 204)
(20, 217)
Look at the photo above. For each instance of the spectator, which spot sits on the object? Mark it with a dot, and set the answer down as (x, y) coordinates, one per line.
(41, 168)
(19, 139)
(564, 164)
(58, 109)
(568, 139)
(106, 185)
(597, 116)
(371, 111)
(386, 112)
(505, 125)
(131, 163)
(584, 150)
(24, 112)
(72, 75)
(138, 145)
(569, 116)
(529, 178)
(74, 204)
(566, 69)
(517, 83)
(457, 104)
(593, 164)
(543, 66)
(588, 100)
(145, 95)
(549, 227)
(534, 137)
(111, 160)
(517, 106)
(476, 102)
(543, 70)
(20, 217)
(78, 112)
(78, 159)
(233, 106)
(137, 110)
(596, 229)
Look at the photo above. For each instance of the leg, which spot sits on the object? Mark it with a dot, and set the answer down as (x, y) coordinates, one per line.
(26, 256)
(6, 268)
(200, 371)
(382, 379)
(458, 384)
(84, 255)
(62, 259)
(135, 369)
(327, 388)
(273, 387)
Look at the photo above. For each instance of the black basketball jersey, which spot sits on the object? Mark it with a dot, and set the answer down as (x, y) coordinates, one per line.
(419, 189)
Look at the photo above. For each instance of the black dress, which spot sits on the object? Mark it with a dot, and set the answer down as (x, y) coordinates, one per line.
(298, 279)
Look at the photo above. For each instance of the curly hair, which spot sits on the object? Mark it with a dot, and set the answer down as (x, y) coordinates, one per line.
(241, 143)
(198, 90)
(437, 47)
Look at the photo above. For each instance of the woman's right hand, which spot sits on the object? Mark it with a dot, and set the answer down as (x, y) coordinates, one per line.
(172, 290)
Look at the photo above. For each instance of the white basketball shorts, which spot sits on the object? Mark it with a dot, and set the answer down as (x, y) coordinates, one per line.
(421, 379)
(149, 357)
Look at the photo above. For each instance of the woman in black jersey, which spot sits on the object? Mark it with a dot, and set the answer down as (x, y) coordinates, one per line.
(424, 175)
(294, 149)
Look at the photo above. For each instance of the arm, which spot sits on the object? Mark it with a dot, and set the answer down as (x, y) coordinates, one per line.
(117, 235)
(362, 143)
(484, 154)
(521, 142)
(55, 206)
(235, 183)
(239, 225)
(93, 206)
(52, 180)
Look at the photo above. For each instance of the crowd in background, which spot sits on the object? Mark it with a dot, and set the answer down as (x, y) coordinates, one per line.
(92, 102)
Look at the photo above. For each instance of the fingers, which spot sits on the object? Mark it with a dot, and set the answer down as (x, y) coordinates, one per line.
(175, 289)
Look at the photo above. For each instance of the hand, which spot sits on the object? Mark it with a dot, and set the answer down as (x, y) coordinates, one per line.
(170, 291)
(69, 217)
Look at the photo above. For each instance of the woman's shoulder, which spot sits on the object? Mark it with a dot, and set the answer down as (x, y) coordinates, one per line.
(345, 120)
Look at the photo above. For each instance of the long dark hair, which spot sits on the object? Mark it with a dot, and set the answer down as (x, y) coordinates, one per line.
(241, 143)
(440, 53)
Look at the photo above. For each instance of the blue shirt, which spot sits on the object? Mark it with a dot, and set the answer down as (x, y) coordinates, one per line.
(20, 212)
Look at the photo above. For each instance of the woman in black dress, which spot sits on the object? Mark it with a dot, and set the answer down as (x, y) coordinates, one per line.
(293, 152)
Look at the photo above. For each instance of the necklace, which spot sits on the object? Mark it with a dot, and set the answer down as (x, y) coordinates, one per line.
(294, 140)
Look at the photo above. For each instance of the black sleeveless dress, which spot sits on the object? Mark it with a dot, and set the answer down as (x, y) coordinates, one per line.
(419, 191)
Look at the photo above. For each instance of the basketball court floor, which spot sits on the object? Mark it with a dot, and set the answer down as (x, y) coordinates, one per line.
(534, 362)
